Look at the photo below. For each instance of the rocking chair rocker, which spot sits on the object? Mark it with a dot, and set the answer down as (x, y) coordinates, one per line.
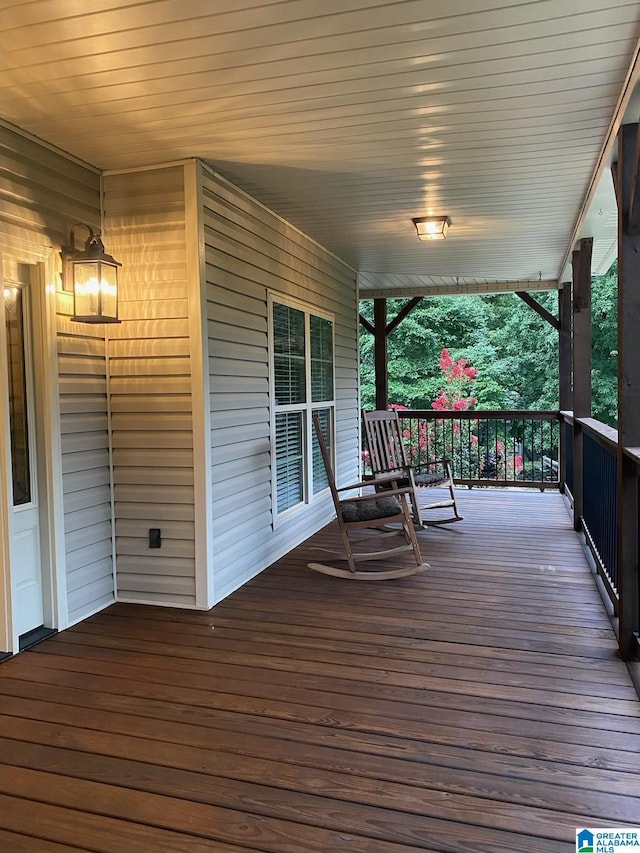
(387, 456)
(377, 516)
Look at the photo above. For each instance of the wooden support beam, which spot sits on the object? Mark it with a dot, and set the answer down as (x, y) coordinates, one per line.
(381, 330)
(582, 329)
(581, 263)
(367, 325)
(628, 390)
(633, 220)
(565, 396)
(538, 308)
(380, 352)
(406, 309)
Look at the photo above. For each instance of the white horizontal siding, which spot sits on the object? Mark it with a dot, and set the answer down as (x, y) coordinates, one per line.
(150, 387)
(43, 193)
(249, 252)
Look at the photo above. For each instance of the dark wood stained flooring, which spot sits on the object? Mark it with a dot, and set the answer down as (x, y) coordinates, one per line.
(479, 707)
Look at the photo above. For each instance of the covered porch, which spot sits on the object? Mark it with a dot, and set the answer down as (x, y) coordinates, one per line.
(481, 705)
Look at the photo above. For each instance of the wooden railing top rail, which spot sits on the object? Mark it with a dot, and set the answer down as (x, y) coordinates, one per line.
(605, 435)
(480, 414)
(602, 433)
(634, 454)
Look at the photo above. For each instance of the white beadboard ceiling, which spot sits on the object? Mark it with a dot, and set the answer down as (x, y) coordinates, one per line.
(351, 117)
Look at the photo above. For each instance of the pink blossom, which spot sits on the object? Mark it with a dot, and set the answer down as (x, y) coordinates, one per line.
(445, 359)
(442, 402)
(459, 405)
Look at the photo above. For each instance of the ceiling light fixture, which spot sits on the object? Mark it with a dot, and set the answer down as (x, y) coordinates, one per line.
(432, 227)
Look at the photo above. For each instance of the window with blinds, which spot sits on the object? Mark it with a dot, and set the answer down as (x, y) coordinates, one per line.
(302, 382)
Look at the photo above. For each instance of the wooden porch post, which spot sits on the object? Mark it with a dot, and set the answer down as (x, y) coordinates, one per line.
(581, 262)
(627, 182)
(565, 397)
(380, 352)
(381, 330)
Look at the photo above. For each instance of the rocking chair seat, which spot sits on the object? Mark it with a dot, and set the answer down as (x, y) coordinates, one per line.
(377, 507)
(434, 479)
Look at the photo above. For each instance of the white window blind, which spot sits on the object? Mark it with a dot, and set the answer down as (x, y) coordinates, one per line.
(302, 362)
(289, 460)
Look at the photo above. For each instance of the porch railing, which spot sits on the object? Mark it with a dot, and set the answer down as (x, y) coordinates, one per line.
(496, 448)
(611, 529)
(566, 453)
(600, 499)
(631, 462)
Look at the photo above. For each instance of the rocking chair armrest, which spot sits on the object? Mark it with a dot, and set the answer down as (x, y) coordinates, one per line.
(374, 481)
(443, 461)
(388, 493)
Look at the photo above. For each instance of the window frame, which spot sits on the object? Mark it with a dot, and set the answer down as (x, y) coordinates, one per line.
(306, 408)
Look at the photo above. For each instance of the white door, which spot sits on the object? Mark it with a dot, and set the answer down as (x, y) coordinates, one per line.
(25, 546)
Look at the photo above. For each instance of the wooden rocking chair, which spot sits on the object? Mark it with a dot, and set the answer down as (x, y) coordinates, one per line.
(388, 456)
(370, 517)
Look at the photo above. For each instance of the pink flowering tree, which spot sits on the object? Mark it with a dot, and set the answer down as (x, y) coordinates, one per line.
(459, 376)
(429, 441)
(455, 395)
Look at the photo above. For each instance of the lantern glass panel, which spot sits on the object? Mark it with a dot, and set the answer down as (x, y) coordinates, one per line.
(95, 288)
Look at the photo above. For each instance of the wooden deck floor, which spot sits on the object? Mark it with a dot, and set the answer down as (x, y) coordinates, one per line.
(479, 706)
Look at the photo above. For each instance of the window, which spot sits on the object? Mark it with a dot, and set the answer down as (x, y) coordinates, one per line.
(302, 384)
(14, 308)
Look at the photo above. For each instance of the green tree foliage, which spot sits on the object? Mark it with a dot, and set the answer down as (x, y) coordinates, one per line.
(604, 353)
(414, 347)
(513, 349)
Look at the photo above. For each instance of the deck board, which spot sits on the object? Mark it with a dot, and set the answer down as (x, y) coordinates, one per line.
(478, 706)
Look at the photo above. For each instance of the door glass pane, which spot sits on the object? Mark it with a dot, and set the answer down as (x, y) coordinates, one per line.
(18, 415)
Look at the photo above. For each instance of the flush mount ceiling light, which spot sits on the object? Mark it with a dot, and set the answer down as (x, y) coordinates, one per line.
(432, 227)
(92, 275)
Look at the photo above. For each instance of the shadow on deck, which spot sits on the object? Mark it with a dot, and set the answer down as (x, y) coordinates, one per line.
(479, 706)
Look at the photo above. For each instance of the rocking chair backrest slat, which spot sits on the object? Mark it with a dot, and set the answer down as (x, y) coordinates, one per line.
(384, 440)
(388, 455)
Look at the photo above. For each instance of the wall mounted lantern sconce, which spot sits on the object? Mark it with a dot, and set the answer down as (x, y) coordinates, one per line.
(432, 227)
(92, 275)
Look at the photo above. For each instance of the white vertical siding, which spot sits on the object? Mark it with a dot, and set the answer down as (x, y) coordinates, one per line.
(43, 194)
(250, 251)
(150, 387)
